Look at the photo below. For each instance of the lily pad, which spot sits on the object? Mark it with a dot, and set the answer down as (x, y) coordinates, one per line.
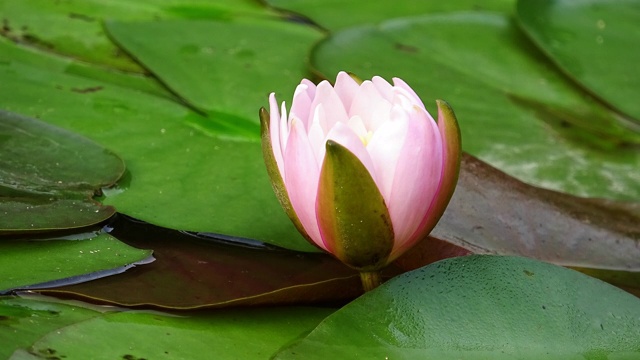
(75, 28)
(226, 68)
(32, 263)
(48, 177)
(240, 334)
(339, 14)
(593, 42)
(546, 225)
(178, 176)
(24, 321)
(481, 307)
(516, 112)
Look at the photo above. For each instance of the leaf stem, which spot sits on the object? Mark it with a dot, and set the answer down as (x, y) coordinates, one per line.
(370, 280)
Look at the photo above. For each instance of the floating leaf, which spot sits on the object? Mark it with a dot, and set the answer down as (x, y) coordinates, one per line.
(338, 14)
(493, 213)
(515, 110)
(597, 237)
(593, 42)
(193, 273)
(240, 334)
(481, 307)
(74, 28)
(195, 181)
(48, 177)
(25, 263)
(228, 75)
(23, 321)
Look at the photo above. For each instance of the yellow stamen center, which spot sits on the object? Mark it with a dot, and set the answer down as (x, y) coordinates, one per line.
(366, 138)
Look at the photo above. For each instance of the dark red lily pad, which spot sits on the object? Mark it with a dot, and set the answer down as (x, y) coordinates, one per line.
(493, 213)
(192, 272)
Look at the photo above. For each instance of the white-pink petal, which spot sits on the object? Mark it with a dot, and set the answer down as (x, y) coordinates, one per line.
(346, 88)
(399, 83)
(345, 136)
(301, 104)
(384, 148)
(333, 107)
(370, 105)
(384, 88)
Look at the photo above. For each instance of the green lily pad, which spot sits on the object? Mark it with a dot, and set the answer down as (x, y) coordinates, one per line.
(481, 307)
(23, 321)
(75, 28)
(236, 334)
(515, 110)
(48, 177)
(593, 42)
(339, 14)
(229, 75)
(178, 176)
(25, 263)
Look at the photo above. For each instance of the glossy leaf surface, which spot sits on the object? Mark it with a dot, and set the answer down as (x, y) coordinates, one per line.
(482, 307)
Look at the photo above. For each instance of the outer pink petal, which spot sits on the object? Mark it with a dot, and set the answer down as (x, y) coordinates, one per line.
(333, 106)
(384, 148)
(414, 97)
(274, 132)
(346, 88)
(452, 153)
(301, 180)
(416, 180)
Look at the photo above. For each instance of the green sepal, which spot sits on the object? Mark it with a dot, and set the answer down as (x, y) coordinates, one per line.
(274, 174)
(352, 214)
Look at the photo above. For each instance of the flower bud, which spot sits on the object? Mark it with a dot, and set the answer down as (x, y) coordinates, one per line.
(362, 169)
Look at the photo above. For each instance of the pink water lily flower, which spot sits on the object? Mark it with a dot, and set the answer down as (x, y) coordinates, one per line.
(362, 169)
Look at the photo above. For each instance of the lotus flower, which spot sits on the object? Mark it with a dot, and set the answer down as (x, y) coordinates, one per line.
(361, 168)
